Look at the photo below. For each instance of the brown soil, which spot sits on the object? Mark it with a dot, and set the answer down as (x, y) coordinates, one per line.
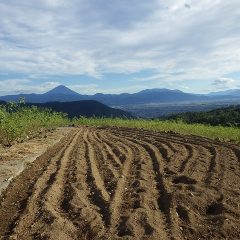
(14, 159)
(118, 183)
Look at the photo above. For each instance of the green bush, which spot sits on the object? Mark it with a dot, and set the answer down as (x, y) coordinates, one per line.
(20, 122)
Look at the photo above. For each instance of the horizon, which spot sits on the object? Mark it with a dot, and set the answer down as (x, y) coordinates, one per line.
(115, 47)
(112, 93)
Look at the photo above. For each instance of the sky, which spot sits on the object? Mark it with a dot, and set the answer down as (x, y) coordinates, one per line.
(115, 46)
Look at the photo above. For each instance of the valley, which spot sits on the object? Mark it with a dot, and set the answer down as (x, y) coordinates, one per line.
(162, 110)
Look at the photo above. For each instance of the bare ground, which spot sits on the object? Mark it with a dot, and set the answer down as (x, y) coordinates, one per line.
(118, 183)
(14, 159)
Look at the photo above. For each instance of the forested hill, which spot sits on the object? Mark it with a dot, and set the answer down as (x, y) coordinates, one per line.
(229, 116)
(87, 108)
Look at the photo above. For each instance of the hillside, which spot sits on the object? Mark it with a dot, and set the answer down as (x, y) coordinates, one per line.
(88, 108)
(224, 116)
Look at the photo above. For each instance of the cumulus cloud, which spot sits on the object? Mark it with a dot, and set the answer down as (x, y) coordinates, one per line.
(96, 88)
(16, 86)
(200, 39)
(224, 83)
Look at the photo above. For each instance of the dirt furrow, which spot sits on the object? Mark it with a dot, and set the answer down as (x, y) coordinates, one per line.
(121, 183)
(94, 169)
(117, 200)
(112, 150)
(136, 194)
(116, 144)
(31, 186)
(79, 203)
(197, 168)
(42, 205)
(186, 157)
(150, 180)
(109, 161)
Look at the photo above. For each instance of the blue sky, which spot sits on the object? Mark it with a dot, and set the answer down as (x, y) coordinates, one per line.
(115, 46)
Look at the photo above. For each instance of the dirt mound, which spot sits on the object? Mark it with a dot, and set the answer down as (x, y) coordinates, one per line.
(117, 183)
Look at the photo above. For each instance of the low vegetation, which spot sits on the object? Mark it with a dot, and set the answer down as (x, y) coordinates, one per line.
(19, 122)
(214, 132)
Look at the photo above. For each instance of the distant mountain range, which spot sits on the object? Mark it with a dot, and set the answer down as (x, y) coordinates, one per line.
(148, 96)
(232, 92)
(86, 108)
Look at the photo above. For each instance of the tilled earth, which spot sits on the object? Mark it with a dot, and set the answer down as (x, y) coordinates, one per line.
(119, 183)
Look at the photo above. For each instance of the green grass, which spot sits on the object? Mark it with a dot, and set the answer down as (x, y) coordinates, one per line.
(213, 132)
(19, 123)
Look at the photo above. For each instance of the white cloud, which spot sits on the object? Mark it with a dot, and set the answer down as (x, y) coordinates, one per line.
(224, 83)
(200, 39)
(16, 86)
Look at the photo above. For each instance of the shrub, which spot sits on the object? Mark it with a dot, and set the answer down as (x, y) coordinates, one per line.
(19, 122)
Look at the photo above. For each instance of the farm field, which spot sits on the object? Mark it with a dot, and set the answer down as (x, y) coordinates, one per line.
(122, 183)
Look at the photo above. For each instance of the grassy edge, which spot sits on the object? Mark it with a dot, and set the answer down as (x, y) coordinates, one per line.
(18, 122)
(212, 132)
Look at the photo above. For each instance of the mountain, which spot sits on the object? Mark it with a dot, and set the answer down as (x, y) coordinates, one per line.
(61, 89)
(148, 96)
(28, 97)
(64, 94)
(231, 92)
(87, 108)
(58, 94)
(163, 96)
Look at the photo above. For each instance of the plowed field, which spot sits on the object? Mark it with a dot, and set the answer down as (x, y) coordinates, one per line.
(118, 183)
